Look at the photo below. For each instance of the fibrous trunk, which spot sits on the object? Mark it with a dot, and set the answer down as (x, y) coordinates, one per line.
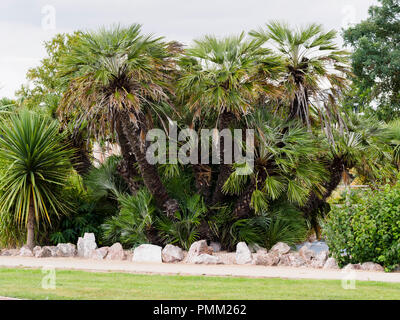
(317, 203)
(135, 134)
(30, 237)
(225, 170)
(81, 160)
(126, 168)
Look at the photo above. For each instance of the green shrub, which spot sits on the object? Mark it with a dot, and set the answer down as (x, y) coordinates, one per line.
(366, 228)
(136, 216)
(281, 223)
(183, 230)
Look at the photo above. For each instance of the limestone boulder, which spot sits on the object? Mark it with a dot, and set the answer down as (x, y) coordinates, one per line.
(115, 252)
(55, 251)
(331, 264)
(42, 252)
(351, 267)
(306, 253)
(206, 259)
(266, 259)
(319, 260)
(25, 251)
(371, 266)
(280, 248)
(243, 254)
(86, 245)
(198, 248)
(147, 253)
(66, 250)
(99, 254)
(10, 252)
(171, 254)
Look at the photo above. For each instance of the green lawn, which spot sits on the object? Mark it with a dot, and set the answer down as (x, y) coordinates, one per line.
(26, 283)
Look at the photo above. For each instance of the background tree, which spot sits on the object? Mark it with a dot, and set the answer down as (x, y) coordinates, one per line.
(45, 91)
(376, 60)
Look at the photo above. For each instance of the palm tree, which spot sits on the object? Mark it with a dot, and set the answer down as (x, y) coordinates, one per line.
(364, 148)
(222, 76)
(285, 166)
(316, 68)
(36, 165)
(117, 79)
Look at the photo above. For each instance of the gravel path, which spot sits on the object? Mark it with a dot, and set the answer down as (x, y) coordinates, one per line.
(196, 270)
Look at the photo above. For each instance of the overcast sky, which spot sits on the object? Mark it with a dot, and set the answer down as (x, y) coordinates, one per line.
(26, 24)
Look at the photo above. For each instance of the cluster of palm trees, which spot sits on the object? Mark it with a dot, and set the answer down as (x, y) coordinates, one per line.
(286, 84)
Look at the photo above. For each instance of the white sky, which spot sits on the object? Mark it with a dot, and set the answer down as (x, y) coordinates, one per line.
(26, 24)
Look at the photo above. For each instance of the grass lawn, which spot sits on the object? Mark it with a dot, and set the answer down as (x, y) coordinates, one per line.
(26, 283)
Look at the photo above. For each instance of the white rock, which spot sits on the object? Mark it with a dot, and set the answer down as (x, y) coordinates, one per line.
(280, 248)
(266, 259)
(320, 259)
(55, 251)
(331, 264)
(350, 267)
(25, 252)
(86, 245)
(371, 266)
(10, 252)
(316, 246)
(99, 254)
(42, 252)
(66, 249)
(116, 252)
(296, 260)
(147, 253)
(36, 249)
(307, 254)
(216, 246)
(197, 248)
(172, 253)
(206, 259)
(243, 254)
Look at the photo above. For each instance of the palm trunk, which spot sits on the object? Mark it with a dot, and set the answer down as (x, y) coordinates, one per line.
(315, 204)
(202, 175)
(225, 169)
(126, 167)
(30, 237)
(148, 171)
(81, 160)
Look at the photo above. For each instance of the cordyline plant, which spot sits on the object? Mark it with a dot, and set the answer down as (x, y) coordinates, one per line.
(36, 165)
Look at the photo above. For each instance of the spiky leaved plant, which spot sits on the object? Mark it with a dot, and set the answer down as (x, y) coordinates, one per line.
(36, 165)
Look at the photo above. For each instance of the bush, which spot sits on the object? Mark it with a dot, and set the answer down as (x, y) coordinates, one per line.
(366, 228)
(184, 230)
(87, 215)
(282, 222)
(136, 216)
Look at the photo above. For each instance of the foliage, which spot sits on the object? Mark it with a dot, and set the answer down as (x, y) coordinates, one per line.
(136, 216)
(104, 181)
(376, 60)
(183, 230)
(310, 57)
(88, 214)
(282, 222)
(366, 228)
(286, 224)
(36, 166)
